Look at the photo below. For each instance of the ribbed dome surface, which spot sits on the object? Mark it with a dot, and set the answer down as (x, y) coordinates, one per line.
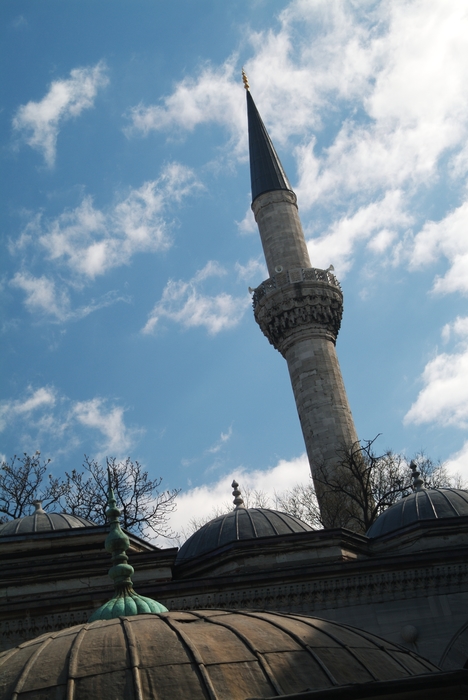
(424, 504)
(239, 524)
(218, 654)
(43, 522)
(128, 604)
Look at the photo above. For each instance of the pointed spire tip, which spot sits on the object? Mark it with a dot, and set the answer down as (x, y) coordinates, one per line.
(245, 80)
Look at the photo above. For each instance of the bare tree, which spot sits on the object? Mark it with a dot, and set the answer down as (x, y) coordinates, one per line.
(371, 483)
(143, 506)
(22, 482)
(255, 498)
(301, 502)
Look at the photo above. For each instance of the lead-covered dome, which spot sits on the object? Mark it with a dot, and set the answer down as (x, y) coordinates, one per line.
(205, 653)
(40, 521)
(423, 504)
(240, 524)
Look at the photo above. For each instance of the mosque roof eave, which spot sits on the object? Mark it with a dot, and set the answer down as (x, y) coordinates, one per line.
(76, 538)
(276, 552)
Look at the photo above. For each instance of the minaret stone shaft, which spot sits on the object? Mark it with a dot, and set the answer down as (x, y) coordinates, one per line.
(299, 309)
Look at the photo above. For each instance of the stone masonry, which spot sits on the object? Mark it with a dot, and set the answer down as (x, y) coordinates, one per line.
(281, 232)
(299, 309)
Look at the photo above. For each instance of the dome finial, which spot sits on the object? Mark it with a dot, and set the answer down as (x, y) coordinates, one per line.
(38, 506)
(238, 500)
(125, 601)
(117, 543)
(418, 483)
(245, 79)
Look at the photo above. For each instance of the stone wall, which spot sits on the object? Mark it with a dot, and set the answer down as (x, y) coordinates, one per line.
(280, 229)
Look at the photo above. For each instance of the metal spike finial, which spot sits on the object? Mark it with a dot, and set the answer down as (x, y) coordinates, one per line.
(238, 500)
(245, 80)
(418, 483)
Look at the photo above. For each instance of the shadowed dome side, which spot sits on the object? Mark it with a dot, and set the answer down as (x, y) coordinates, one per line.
(40, 521)
(423, 504)
(206, 653)
(239, 524)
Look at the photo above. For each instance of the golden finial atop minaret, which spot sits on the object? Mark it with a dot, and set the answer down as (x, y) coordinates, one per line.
(245, 80)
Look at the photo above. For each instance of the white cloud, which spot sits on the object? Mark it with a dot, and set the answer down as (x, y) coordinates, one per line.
(19, 22)
(447, 238)
(44, 298)
(42, 295)
(91, 242)
(109, 422)
(213, 97)
(185, 303)
(44, 416)
(248, 224)
(397, 70)
(401, 62)
(202, 500)
(39, 122)
(254, 270)
(223, 439)
(459, 328)
(214, 449)
(403, 66)
(41, 398)
(444, 397)
(457, 464)
(376, 223)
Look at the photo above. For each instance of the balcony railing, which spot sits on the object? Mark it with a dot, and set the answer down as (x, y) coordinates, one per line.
(308, 274)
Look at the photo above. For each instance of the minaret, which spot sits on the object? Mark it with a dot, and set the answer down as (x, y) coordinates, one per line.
(299, 309)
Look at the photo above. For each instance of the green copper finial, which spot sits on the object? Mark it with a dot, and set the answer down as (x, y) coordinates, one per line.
(117, 544)
(125, 601)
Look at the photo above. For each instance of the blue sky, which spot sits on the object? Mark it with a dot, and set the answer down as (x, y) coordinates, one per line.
(128, 244)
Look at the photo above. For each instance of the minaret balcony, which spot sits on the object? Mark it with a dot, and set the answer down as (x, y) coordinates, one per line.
(301, 300)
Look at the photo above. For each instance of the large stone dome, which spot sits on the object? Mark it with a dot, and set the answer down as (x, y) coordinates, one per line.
(422, 504)
(40, 521)
(214, 654)
(240, 524)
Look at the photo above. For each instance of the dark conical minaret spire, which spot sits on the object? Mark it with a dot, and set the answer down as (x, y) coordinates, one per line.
(282, 236)
(299, 309)
(266, 172)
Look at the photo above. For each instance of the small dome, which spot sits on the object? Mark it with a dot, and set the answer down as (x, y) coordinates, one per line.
(422, 504)
(40, 521)
(206, 653)
(240, 524)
